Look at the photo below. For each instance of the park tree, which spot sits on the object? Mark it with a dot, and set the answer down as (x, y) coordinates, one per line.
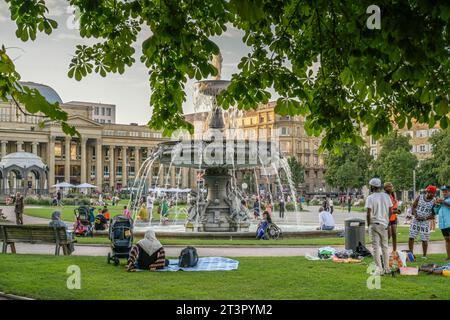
(436, 170)
(297, 171)
(380, 67)
(396, 163)
(349, 168)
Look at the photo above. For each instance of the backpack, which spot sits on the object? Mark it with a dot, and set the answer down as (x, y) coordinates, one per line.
(188, 257)
(362, 250)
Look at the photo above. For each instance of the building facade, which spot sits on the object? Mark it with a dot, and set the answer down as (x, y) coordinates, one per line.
(107, 155)
(419, 139)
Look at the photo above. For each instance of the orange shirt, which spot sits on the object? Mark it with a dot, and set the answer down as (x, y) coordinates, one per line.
(394, 206)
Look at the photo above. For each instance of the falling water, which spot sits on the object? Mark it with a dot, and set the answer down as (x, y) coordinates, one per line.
(285, 165)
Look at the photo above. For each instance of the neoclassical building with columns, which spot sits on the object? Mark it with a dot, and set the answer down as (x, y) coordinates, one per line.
(107, 155)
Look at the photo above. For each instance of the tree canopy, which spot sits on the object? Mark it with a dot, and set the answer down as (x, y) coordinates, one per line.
(349, 168)
(396, 162)
(378, 78)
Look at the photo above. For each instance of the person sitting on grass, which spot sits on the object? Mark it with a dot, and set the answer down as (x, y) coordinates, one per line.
(326, 220)
(58, 223)
(100, 221)
(147, 254)
(262, 226)
(106, 213)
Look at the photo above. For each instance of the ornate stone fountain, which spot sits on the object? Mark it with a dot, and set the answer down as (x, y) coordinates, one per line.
(218, 155)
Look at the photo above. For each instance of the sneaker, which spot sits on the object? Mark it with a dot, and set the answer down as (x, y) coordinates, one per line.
(424, 258)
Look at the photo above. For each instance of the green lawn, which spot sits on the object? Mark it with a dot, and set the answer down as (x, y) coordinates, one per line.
(45, 277)
(67, 213)
(402, 238)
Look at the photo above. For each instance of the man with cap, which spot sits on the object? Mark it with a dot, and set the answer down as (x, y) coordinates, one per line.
(442, 208)
(422, 212)
(379, 209)
(392, 229)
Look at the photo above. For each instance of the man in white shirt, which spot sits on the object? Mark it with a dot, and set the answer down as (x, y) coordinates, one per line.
(150, 201)
(379, 209)
(326, 220)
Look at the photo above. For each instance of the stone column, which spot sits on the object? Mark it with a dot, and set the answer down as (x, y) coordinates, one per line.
(51, 162)
(98, 165)
(4, 145)
(67, 160)
(34, 146)
(112, 169)
(124, 167)
(137, 160)
(19, 145)
(83, 178)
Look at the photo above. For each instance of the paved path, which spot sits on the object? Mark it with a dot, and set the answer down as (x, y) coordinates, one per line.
(236, 251)
(8, 211)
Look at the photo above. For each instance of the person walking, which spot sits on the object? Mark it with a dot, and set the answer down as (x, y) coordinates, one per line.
(422, 211)
(282, 206)
(331, 205)
(18, 208)
(379, 206)
(392, 229)
(442, 209)
(59, 198)
(349, 203)
(150, 200)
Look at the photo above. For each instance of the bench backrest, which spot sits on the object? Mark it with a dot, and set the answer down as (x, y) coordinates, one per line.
(33, 234)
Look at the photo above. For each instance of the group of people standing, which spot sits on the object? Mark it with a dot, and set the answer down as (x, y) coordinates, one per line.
(382, 210)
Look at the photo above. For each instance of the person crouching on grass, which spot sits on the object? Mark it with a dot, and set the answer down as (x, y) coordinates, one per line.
(442, 208)
(392, 229)
(422, 211)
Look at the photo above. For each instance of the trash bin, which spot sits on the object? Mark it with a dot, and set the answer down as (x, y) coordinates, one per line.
(355, 232)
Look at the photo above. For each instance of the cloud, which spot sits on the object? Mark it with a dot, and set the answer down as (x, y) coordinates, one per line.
(56, 8)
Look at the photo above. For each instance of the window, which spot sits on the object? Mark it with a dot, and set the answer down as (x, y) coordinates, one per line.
(131, 172)
(103, 111)
(373, 141)
(106, 171)
(119, 171)
(422, 148)
(421, 133)
(306, 145)
(109, 121)
(73, 152)
(92, 171)
(96, 111)
(108, 112)
(284, 131)
(58, 149)
(373, 152)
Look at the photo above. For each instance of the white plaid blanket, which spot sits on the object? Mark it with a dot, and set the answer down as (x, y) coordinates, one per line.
(206, 264)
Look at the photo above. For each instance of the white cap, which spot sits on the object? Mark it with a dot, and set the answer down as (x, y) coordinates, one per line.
(375, 182)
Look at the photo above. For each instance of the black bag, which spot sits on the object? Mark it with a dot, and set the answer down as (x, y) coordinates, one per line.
(188, 258)
(362, 250)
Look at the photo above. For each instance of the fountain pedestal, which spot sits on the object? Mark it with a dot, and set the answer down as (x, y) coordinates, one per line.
(217, 215)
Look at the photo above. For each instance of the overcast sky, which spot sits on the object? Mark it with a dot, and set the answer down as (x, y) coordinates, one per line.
(46, 61)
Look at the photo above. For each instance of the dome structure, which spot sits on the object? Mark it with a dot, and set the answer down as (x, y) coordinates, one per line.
(23, 160)
(24, 172)
(47, 92)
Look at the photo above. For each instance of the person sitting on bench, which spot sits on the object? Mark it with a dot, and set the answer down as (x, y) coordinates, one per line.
(57, 222)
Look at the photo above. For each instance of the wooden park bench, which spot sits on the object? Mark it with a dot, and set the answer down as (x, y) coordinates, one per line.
(10, 234)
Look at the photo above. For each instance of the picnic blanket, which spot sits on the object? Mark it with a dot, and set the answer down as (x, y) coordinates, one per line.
(205, 264)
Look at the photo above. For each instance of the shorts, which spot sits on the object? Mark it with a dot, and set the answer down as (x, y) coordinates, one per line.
(393, 223)
(422, 227)
(446, 232)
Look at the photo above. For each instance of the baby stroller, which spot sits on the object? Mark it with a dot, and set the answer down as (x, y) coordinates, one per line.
(82, 226)
(273, 232)
(121, 236)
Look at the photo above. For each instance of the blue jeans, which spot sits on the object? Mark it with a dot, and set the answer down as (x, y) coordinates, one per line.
(327, 227)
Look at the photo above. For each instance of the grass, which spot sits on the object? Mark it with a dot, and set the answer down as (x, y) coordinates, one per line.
(45, 277)
(402, 237)
(67, 213)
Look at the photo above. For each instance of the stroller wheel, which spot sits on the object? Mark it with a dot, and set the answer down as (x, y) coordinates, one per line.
(116, 261)
(109, 258)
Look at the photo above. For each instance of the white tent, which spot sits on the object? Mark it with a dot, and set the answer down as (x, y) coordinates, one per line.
(64, 185)
(86, 186)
